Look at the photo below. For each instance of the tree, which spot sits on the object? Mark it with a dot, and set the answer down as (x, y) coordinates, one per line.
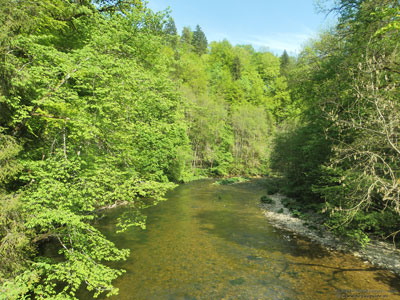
(93, 119)
(170, 27)
(191, 69)
(346, 150)
(236, 68)
(366, 115)
(199, 41)
(252, 129)
(284, 62)
(209, 133)
(171, 32)
(186, 36)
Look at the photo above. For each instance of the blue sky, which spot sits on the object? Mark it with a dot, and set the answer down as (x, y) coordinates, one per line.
(272, 24)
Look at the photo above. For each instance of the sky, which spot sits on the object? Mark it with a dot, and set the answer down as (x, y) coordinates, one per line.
(276, 25)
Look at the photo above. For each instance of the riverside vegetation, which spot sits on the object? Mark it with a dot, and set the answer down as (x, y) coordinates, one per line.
(103, 102)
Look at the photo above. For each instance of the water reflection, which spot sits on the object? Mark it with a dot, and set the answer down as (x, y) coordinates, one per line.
(212, 242)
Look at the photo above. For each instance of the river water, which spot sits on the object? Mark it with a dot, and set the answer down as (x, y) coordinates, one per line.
(212, 242)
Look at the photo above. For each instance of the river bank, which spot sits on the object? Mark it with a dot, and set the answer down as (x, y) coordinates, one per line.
(378, 253)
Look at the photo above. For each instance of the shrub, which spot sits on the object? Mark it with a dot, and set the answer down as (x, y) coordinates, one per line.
(273, 189)
(267, 200)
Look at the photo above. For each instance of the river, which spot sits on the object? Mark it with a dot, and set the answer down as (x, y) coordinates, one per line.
(212, 242)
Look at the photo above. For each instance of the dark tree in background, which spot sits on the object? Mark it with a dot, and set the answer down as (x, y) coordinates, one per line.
(285, 60)
(236, 68)
(170, 27)
(199, 41)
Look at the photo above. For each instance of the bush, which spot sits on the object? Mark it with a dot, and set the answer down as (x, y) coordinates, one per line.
(297, 214)
(273, 186)
(272, 190)
(290, 203)
(267, 200)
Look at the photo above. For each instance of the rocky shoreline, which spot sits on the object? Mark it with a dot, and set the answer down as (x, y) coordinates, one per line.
(378, 253)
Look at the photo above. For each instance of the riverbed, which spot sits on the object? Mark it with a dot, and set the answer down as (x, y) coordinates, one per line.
(211, 241)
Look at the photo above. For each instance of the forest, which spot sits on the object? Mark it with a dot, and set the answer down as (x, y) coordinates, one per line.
(104, 103)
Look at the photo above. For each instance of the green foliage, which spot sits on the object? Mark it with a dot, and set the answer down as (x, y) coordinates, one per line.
(9, 166)
(297, 214)
(271, 190)
(171, 32)
(285, 60)
(345, 150)
(15, 244)
(273, 185)
(236, 68)
(252, 129)
(234, 96)
(187, 36)
(170, 27)
(199, 41)
(14, 238)
(291, 204)
(191, 70)
(102, 106)
(298, 153)
(93, 120)
(59, 204)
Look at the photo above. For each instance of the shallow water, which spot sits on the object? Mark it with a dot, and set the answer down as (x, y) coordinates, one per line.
(212, 242)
